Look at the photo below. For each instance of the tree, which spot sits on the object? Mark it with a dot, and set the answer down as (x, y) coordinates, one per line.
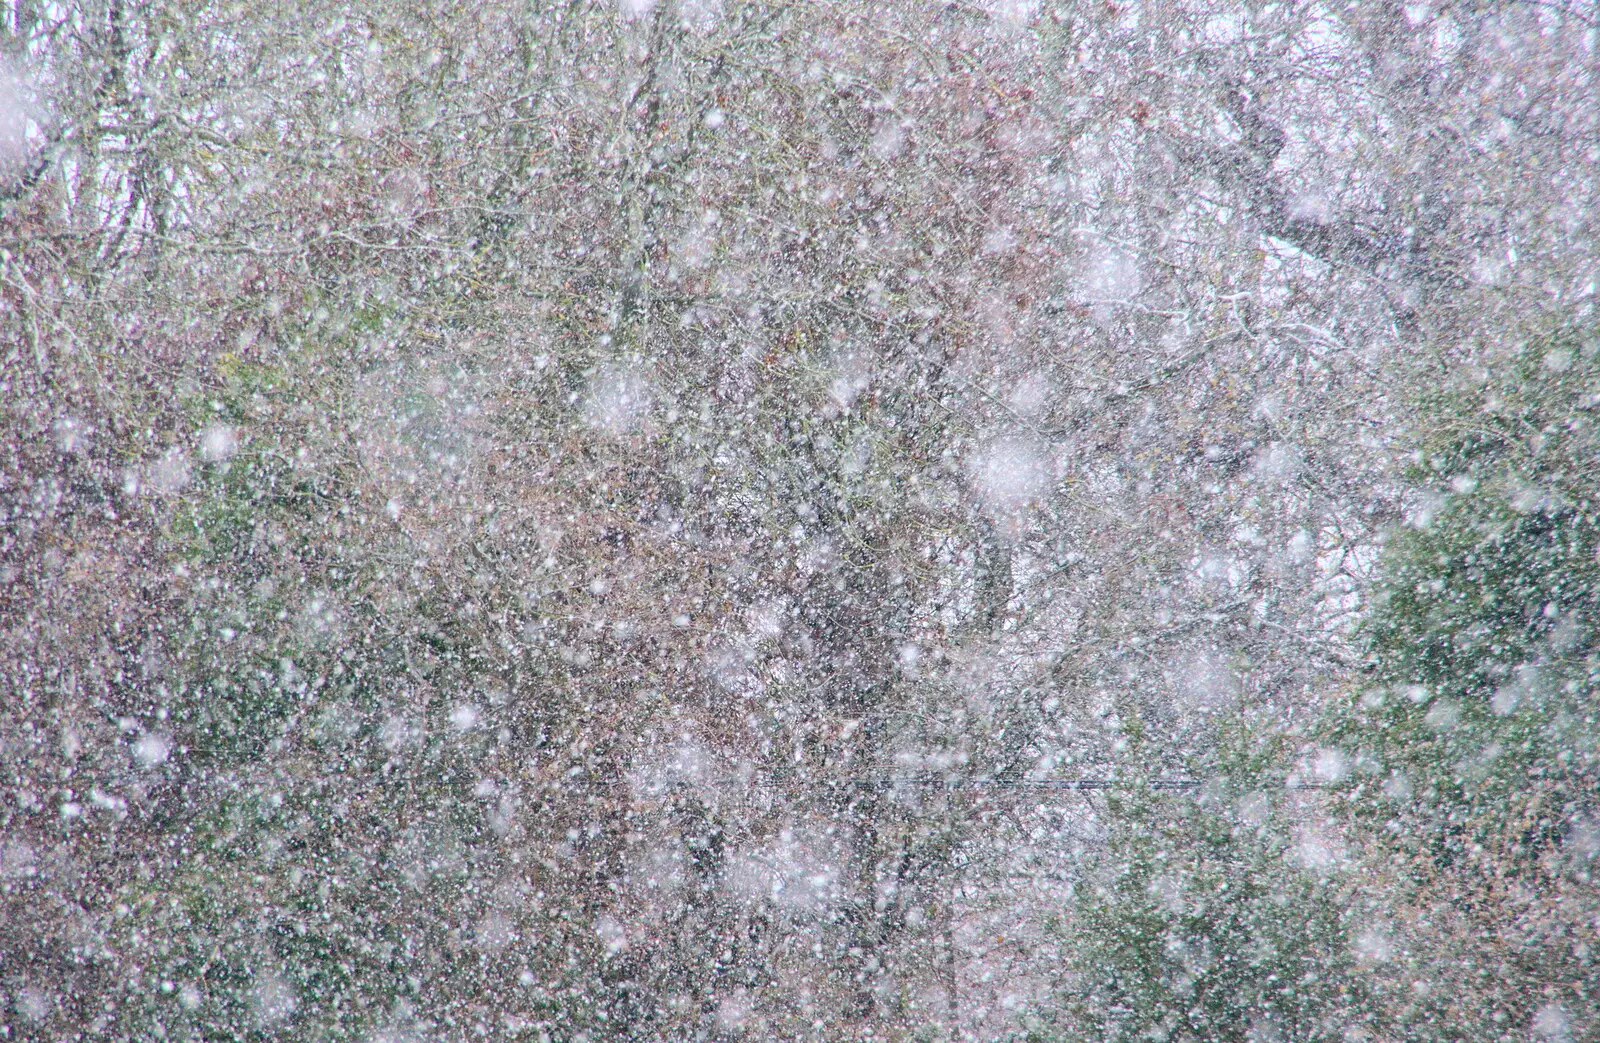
(1218, 912)
(534, 508)
(1475, 747)
(1464, 769)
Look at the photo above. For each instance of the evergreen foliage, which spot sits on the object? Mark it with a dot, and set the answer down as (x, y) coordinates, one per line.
(1466, 770)
(1476, 748)
(1206, 922)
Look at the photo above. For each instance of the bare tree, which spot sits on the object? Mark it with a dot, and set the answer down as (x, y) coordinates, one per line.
(533, 518)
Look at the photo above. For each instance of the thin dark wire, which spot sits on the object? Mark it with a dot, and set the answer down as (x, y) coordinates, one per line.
(980, 783)
(898, 782)
(1039, 784)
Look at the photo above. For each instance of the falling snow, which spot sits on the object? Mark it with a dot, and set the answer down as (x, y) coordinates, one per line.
(675, 520)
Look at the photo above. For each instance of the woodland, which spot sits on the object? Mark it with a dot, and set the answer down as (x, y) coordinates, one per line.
(698, 520)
